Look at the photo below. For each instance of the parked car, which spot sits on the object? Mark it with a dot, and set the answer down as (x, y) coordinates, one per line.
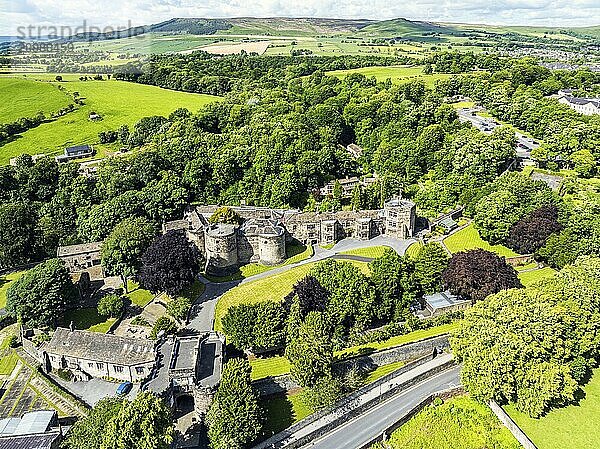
(124, 388)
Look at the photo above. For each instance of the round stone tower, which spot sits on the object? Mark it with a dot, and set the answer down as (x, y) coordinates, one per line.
(221, 249)
(272, 247)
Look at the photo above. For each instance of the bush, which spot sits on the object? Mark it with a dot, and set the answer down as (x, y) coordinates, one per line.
(110, 306)
(164, 323)
(179, 307)
(12, 341)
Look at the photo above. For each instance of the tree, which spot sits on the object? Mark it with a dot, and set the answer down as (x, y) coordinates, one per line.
(225, 215)
(531, 232)
(144, 423)
(163, 323)
(121, 252)
(478, 273)
(42, 295)
(18, 241)
(169, 264)
(110, 306)
(179, 307)
(585, 163)
(258, 327)
(311, 352)
(531, 346)
(429, 264)
(495, 214)
(235, 418)
(88, 432)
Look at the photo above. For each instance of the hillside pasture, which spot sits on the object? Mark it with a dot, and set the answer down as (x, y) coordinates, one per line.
(117, 102)
(25, 98)
(398, 74)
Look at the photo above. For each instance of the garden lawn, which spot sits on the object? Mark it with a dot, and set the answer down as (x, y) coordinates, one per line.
(383, 370)
(371, 251)
(138, 295)
(413, 249)
(270, 366)
(571, 427)
(531, 277)
(5, 282)
(270, 288)
(8, 363)
(458, 423)
(276, 366)
(398, 340)
(25, 98)
(468, 238)
(282, 411)
(118, 102)
(88, 319)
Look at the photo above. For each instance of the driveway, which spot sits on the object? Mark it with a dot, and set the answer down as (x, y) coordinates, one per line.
(94, 389)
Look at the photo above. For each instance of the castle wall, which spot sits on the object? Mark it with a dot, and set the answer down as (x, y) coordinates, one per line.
(272, 249)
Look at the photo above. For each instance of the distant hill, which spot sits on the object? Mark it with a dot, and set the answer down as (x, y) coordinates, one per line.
(404, 27)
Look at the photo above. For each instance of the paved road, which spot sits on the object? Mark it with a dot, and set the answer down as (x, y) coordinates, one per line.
(364, 428)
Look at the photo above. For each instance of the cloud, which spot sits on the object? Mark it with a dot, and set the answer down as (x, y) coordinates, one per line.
(120, 13)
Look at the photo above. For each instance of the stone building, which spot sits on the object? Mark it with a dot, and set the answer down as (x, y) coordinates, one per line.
(82, 258)
(264, 232)
(92, 354)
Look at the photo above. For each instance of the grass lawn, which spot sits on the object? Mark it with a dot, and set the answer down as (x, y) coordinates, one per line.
(5, 282)
(398, 74)
(468, 238)
(25, 98)
(276, 366)
(463, 104)
(138, 295)
(271, 288)
(459, 423)
(8, 363)
(282, 411)
(571, 427)
(193, 291)
(383, 370)
(530, 277)
(88, 319)
(118, 102)
(270, 366)
(371, 251)
(398, 340)
(413, 249)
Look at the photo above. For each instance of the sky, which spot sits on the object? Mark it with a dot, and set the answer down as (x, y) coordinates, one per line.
(123, 13)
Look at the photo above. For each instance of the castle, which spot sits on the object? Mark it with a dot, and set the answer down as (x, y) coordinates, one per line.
(264, 233)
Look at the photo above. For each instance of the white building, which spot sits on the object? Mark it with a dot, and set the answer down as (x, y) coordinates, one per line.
(585, 106)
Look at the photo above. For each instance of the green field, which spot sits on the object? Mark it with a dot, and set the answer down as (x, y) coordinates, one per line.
(572, 427)
(458, 423)
(383, 370)
(138, 295)
(413, 249)
(372, 252)
(468, 238)
(25, 98)
(276, 366)
(398, 74)
(88, 319)
(118, 102)
(530, 277)
(5, 282)
(270, 288)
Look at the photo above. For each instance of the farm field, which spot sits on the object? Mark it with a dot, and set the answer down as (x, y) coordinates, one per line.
(468, 238)
(5, 282)
(39, 97)
(278, 365)
(118, 102)
(458, 423)
(398, 74)
(271, 288)
(571, 427)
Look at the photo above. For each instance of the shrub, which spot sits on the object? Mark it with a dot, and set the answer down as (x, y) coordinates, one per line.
(164, 323)
(110, 306)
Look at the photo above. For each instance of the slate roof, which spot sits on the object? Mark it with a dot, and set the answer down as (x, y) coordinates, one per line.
(101, 347)
(84, 248)
(77, 149)
(261, 226)
(37, 441)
